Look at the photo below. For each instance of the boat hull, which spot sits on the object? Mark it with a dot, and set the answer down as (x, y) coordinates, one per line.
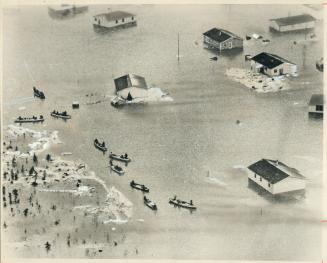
(182, 204)
(118, 158)
(101, 28)
(60, 116)
(151, 205)
(103, 149)
(28, 121)
(117, 171)
(140, 187)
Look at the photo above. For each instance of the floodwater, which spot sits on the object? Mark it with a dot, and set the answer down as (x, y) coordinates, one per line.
(191, 147)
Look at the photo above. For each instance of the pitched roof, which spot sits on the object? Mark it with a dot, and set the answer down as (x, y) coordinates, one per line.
(268, 171)
(130, 80)
(269, 60)
(292, 20)
(317, 99)
(115, 15)
(220, 35)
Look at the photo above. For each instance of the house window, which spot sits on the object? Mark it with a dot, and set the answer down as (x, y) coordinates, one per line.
(260, 179)
(268, 184)
(275, 70)
(116, 21)
(319, 107)
(230, 44)
(123, 20)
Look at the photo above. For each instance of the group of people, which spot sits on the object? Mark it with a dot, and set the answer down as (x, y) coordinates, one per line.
(64, 113)
(34, 118)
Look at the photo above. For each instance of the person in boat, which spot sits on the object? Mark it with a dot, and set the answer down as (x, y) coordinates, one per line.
(19, 118)
(133, 182)
(110, 162)
(103, 144)
(64, 113)
(41, 117)
(191, 202)
(34, 117)
(125, 156)
(96, 141)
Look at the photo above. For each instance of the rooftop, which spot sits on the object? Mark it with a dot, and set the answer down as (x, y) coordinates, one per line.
(269, 60)
(130, 80)
(220, 35)
(292, 20)
(115, 15)
(317, 99)
(274, 171)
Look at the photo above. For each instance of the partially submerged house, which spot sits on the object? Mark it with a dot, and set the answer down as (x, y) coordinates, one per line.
(65, 9)
(221, 39)
(292, 23)
(131, 86)
(272, 65)
(275, 178)
(114, 19)
(316, 104)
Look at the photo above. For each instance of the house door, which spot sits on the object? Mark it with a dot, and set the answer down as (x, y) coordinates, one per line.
(281, 72)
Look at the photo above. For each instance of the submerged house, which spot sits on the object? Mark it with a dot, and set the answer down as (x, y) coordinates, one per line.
(222, 39)
(316, 104)
(292, 23)
(275, 177)
(272, 65)
(114, 19)
(131, 86)
(64, 9)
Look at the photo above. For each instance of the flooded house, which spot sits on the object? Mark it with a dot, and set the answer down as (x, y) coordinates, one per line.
(272, 65)
(131, 86)
(275, 178)
(115, 19)
(65, 9)
(221, 39)
(292, 23)
(316, 104)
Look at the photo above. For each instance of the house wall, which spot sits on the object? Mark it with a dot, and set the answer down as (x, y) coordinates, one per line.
(300, 26)
(287, 185)
(260, 181)
(102, 21)
(313, 109)
(286, 68)
(135, 92)
(210, 42)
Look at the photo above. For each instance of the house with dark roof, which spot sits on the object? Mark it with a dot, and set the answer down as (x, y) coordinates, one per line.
(316, 104)
(275, 177)
(131, 86)
(292, 23)
(221, 39)
(114, 19)
(272, 65)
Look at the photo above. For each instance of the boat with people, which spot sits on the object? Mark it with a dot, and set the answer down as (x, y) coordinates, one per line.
(122, 158)
(33, 119)
(100, 146)
(38, 93)
(149, 203)
(140, 187)
(116, 168)
(180, 203)
(62, 115)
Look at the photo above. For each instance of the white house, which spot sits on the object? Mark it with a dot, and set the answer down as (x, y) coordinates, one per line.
(131, 84)
(222, 39)
(272, 65)
(316, 104)
(114, 19)
(292, 23)
(275, 177)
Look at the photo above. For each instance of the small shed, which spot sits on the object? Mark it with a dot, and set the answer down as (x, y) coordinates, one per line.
(221, 39)
(131, 86)
(114, 19)
(316, 104)
(275, 177)
(272, 65)
(292, 23)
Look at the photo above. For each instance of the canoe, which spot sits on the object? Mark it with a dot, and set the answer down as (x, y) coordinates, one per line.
(149, 203)
(38, 93)
(117, 169)
(140, 187)
(101, 148)
(60, 116)
(180, 203)
(28, 120)
(119, 158)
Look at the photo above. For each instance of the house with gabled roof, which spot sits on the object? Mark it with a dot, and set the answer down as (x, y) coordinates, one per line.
(292, 23)
(131, 86)
(222, 39)
(114, 19)
(272, 65)
(316, 104)
(275, 177)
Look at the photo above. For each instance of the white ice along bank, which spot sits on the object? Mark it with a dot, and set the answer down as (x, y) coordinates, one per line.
(275, 177)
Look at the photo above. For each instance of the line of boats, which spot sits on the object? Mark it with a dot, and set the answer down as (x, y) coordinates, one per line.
(34, 119)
